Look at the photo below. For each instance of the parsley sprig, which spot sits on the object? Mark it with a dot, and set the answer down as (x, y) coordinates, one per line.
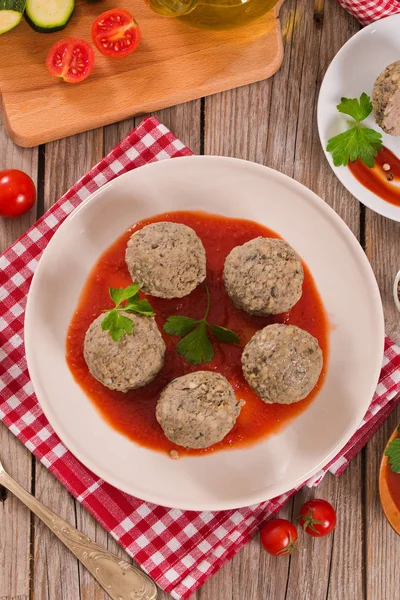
(393, 452)
(358, 141)
(195, 344)
(118, 325)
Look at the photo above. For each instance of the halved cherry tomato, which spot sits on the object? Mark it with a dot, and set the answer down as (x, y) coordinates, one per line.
(279, 537)
(17, 193)
(317, 517)
(115, 33)
(71, 59)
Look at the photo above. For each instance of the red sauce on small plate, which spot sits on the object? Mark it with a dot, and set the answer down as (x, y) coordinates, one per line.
(133, 413)
(393, 481)
(376, 179)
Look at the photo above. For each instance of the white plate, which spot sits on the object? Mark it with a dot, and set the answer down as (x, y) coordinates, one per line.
(352, 72)
(344, 278)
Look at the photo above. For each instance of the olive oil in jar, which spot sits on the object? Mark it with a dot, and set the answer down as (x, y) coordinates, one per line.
(213, 14)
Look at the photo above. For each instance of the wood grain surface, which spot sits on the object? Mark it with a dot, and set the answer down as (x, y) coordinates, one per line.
(272, 122)
(174, 63)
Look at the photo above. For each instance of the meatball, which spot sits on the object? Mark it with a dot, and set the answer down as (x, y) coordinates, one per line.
(167, 259)
(131, 362)
(264, 276)
(282, 363)
(198, 409)
(386, 99)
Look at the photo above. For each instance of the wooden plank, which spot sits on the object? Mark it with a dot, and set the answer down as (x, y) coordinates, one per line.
(382, 242)
(14, 522)
(15, 519)
(174, 63)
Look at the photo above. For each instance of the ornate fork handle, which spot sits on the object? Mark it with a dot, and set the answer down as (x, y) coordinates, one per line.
(121, 580)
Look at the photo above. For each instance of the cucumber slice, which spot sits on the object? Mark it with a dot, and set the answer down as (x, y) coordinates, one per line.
(47, 16)
(11, 12)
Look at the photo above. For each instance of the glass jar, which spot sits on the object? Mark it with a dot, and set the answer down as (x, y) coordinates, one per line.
(213, 14)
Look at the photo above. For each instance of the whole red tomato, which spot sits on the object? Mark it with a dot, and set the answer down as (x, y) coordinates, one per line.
(17, 193)
(279, 537)
(317, 517)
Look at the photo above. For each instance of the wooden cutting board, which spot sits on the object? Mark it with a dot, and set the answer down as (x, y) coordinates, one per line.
(174, 63)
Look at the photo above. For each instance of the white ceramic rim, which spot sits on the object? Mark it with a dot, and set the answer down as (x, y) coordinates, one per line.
(253, 498)
(396, 291)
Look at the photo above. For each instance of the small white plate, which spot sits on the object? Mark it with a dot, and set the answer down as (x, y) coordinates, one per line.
(396, 291)
(234, 188)
(352, 72)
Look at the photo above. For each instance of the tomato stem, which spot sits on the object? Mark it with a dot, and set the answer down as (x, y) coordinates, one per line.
(309, 522)
(289, 548)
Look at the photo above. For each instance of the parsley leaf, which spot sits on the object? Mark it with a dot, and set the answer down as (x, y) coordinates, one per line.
(118, 295)
(393, 452)
(224, 335)
(180, 325)
(142, 307)
(358, 109)
(195, 344)
(117, 324)
(358, 142)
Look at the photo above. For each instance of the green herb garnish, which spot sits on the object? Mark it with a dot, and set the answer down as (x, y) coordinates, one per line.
(117, 324)
(195, 344)
(393, 452)
(358, 141)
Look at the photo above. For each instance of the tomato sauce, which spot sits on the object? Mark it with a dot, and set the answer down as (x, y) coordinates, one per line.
(133, 413)
(393, 481)
(376, 179)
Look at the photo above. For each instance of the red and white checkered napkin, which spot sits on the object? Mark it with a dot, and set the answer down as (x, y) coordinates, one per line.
(179, 549)
(367, 11)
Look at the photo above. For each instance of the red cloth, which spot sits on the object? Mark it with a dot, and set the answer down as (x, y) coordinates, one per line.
(368, 11)
(179, 549)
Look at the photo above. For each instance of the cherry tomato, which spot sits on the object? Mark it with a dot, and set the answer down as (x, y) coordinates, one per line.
(115, 33)
(17, 193)
(317, 517)
(71, 59)
(279, 537)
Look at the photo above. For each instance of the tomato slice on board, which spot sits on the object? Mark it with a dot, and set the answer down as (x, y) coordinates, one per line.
(115, 33)
(71, 59)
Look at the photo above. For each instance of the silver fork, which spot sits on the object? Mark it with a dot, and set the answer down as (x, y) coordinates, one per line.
(121, 580)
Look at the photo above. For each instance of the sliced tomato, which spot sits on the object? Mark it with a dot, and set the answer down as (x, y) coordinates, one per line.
(71, 59)
(115, 33)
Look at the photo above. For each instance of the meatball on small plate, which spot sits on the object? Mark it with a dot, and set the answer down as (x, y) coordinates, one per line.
(368, 63)
(197, 404)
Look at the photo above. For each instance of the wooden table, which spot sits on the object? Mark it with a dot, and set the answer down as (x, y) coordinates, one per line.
(273, 123)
